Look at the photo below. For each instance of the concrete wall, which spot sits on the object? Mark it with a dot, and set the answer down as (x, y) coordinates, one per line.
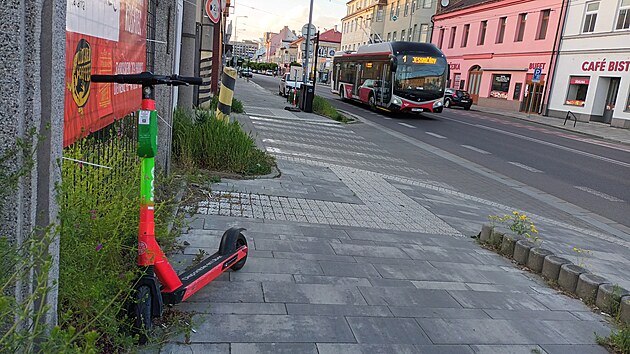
(31, 48)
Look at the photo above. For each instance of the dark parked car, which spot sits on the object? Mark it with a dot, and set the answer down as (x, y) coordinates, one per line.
(459, 98)
(246, 73)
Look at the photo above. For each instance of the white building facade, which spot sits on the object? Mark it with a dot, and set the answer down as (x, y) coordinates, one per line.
(593, 74)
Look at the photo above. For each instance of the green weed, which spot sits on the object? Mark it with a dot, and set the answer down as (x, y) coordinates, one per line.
(618, 341)
(202, 142)
(323, 107)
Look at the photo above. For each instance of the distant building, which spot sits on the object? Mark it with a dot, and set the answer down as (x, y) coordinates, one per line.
(593, 75)
(329, 45)
(355, 26)
(273, 41)
(244, 49)
(495, 46)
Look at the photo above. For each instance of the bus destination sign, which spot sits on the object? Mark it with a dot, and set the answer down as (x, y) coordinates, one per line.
(420, 60)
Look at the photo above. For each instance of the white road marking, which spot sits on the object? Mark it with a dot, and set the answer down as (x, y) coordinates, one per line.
(407, 125)
(525, 167)
(436, 135)
(616, 162)
(387, 118)
(475, 149)
(599, 194)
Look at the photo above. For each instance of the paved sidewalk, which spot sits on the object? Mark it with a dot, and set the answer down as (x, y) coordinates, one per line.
(362, 246)
(595, 129)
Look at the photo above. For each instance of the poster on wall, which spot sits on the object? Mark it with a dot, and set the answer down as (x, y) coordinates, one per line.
(102, 37)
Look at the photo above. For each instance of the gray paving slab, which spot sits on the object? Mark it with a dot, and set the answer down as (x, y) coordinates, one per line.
(271, 329)
(225, 291)
(492, 300)
(573, 349)
(408, 296)
(354, 270)
(279, 348)
(338, 310)
(380, 330)
(533, 314)
(312, 294)
(426, 312)
(507, 349)
(368, 251)
(329, 348)
(313, 257)
(233, 308)
(282, 266)
(260, 277)
(319, 279)
(195, 348)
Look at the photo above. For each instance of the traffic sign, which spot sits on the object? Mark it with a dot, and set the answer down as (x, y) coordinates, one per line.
(394, 18)
(537, 75)
(213, 10)
(305, 30)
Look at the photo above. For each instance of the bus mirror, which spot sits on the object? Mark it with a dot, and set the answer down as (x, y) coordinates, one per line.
(393, 61)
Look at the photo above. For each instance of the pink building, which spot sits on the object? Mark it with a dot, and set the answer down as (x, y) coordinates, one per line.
(494, 46)
(284, 38)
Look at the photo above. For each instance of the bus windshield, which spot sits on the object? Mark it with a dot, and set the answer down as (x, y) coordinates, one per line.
(420, 77)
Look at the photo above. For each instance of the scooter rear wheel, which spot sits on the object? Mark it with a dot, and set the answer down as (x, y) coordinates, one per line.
(142, 321)
(240, 242)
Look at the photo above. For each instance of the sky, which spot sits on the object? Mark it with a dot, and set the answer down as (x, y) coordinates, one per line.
(273, 15)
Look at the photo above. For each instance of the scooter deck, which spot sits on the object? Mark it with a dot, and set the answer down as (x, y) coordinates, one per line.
(202, 274)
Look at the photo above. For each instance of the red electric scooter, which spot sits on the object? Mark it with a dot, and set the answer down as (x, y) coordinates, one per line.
(173, 288)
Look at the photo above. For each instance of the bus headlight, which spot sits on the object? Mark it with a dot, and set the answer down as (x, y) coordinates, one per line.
(437, 104)
(397, 101)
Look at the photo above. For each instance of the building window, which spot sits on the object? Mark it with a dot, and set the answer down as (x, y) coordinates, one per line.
(397, 8)
(451, 41)
(628, 104)
(426, 4)
(424, 33)
(520, 30)
(500, 85)
(578, 88)
(394, 37)
(544, 24)
(590, 17)
(402, 35)
(389, 37)
(623, 20)
(441, 38)
(379, 14)
(482, 32)
(501, 29)
(391, 12)
(465, 35)
(415, 31)
(406, 8)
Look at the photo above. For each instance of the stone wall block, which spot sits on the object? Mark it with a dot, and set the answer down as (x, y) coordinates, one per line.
(551, 267)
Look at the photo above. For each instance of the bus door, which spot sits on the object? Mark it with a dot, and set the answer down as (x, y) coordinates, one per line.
(385, 91)
(357, 81)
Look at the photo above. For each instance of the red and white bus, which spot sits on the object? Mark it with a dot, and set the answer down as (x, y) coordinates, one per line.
(393, 76)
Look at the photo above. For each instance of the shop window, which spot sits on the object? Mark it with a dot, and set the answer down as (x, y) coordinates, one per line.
(501, 29)
(628, 103)
(451, 41)
(482, 32)
(544, 23)
(465, 35)
(520, 30)
(578, 88)
(590, 17)
(500, 85)
(623, 19)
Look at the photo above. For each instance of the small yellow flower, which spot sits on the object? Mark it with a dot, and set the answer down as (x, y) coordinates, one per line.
(523, 217)
(515, 212)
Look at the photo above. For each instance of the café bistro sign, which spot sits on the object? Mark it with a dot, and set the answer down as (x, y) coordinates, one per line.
(603, 65)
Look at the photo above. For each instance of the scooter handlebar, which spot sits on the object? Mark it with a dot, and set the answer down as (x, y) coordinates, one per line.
(147, 78)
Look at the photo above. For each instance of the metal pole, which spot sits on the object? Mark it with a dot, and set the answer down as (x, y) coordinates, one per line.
(308, 42)
(531, 100)
(315, 62)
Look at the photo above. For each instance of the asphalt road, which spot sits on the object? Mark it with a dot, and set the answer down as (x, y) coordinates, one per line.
(590, 173)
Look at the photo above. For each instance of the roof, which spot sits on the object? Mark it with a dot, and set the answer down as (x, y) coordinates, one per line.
(461, 4)
(330, 36)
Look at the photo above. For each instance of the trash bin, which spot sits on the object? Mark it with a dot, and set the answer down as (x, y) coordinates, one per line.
(307, 96)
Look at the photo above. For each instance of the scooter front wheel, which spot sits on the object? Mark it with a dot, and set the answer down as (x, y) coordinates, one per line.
(142, 321)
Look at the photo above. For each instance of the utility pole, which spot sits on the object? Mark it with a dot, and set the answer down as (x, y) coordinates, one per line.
(308, 42)
(315, 62)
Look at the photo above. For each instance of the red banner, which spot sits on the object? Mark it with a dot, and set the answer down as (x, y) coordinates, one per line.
(102, 37)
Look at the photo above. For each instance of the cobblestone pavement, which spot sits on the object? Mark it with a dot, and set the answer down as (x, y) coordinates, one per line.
(361, 247)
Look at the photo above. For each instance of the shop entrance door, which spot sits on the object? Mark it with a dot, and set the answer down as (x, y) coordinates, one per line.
(474, 82)
(611, 98)
(531, 102)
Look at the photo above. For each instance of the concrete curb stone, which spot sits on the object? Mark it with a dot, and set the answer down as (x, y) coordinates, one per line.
(568, 277)
(587, 286)
(536, 259)
(551, 267)
(508, 244)
(609, 297)
(486, 231)
(521, 251)
(496, 237)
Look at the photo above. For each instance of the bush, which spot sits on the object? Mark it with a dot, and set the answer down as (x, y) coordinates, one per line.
(323, 107)
(237, 105)
(202, 142)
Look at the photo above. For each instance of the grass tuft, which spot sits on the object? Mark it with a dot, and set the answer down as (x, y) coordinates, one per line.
(323, 107)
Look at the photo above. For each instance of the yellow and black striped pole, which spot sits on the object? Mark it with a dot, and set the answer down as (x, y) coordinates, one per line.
(226, 93)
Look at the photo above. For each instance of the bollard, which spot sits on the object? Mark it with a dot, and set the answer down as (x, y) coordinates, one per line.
(226, 94)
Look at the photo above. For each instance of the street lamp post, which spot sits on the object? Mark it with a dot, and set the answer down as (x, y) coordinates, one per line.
(235, 27)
